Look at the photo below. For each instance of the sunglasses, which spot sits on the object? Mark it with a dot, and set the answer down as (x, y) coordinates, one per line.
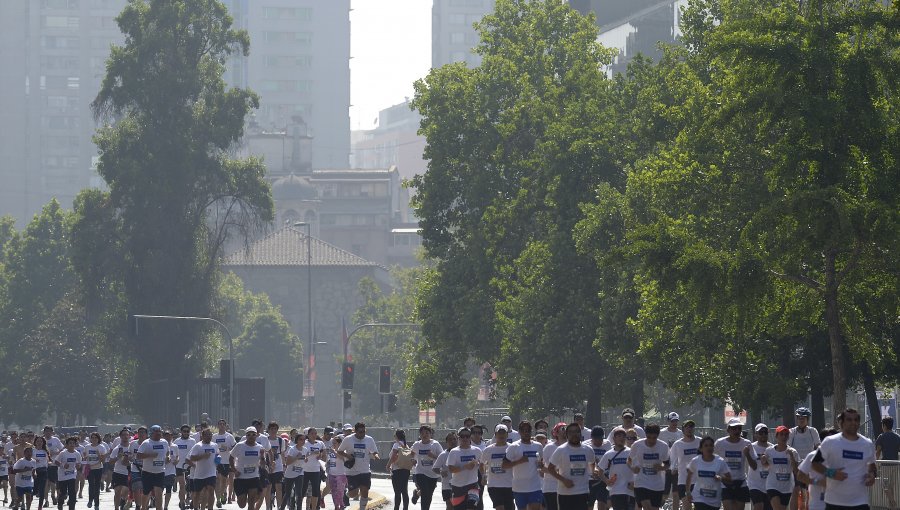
(630, 438)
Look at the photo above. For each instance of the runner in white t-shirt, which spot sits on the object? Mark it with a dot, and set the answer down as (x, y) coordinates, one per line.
(426, 450)
(669, 435)
(572, 464)
(736, 452)
(69, 462)
(464, 463)
(184, 443)
(94, 456)
(245, 460)
(499, 479)
(312, 470)
(758, 473)
(524, 458)
(599, 493)
(23, 470)
(362, 448)
(440, 467)
(336, 472)
(804, 439)
(614, 471)
(549, 484)
(815, 481)
(848, 462)
(680, 454)
(628, 424)
(648, 458)
(706, 474)
(782, 462)
(226, 442)
(294, 460)
(202, 457)
(155, 454)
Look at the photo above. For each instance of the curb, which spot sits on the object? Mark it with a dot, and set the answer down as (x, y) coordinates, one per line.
(376, 500)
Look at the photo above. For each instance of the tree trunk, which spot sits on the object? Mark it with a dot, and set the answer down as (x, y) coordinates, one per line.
(872, 399)
(637, 396)
(817, 401)
(835, 340)
(593, 415)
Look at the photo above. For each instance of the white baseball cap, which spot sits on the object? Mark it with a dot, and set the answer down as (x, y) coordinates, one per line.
(500, 428)
(506, 418)
(735, 422)
(673, 416)
(250, 429)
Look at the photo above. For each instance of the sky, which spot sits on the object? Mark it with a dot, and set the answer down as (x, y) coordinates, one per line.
(390, 48)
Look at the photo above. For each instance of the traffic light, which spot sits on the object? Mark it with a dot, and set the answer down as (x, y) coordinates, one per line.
(347, 375)
(226, 396)
(392, 403)
(384, 380)
(347, 399)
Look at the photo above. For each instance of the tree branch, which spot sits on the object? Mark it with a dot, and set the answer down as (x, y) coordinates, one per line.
(805, 280)
(851, 264)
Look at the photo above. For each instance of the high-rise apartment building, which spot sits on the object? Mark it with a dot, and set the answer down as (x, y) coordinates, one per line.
(299, 64)
(52, 59)
(452, 35)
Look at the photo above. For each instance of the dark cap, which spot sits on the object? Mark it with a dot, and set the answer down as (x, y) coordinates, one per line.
(579, 415)
(328, 430)
(597, 432)
(628, 412)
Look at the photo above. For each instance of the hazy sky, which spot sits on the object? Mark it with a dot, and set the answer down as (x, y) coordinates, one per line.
(390, 46)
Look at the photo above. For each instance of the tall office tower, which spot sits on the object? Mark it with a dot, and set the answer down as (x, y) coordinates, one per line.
(52, 60)
(452, 34)
(299, 64)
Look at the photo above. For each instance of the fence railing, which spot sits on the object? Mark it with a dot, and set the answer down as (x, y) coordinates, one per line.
(885, 493)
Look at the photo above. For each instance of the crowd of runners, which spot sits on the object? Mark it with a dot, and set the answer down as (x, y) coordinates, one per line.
(530, 466)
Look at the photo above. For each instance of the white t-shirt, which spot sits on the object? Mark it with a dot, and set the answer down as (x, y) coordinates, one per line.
(707, 489)
(116, 455)
(645, 456)
(93, 455)
(756, 478)
(315, 449)
(157, 463)
(4, 465)
(548, 483)
(457, 458)
(25, 478)
(803, 441)
(599, 451)
(424, 461)
(68, 462)
(173, 460)
(184, 447)
(362, 450)
(637, 428)
(298, 459)
(816, 491)
(680, 455)
(440, 465)
(513, 436)
(854, 457)
(136, 464)
(333, 465)
(54, 446)
(246, 459)
(670, 436)
(733, 454)
(781, 472)
(41, 458)
(492, 458)
(203, 468)
(525, 476)
(574, 462)
(277, 446)
(226, 443)
(615, 464)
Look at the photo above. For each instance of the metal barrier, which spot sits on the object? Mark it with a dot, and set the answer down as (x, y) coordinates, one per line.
(885, 493)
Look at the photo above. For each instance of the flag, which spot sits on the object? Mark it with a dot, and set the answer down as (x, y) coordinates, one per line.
(345, 341)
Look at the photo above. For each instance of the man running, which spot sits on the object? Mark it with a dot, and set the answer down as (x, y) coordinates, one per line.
(524, 458)
(735, 449)
(598, 493)
(669, 435)
(121, 465)
(361, 448)
(203, 457)
(184, 444)
(572, 464)
(759, 472)
(154, 454)
(499, 479)
(629, 424)
(23, 470)
(848, 462)
(226, 442)
(680, 455)
(245, 459)
(648, 459)
(69, 462)
(463, 464)
(804, 439)
(425, 451)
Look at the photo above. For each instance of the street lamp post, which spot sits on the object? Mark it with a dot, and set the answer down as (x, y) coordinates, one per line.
(230, 349)
(312, 345)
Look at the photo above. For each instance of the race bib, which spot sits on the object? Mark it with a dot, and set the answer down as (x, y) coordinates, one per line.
(158, 463)
(26, 477)
(763, 474)
(69, 472)
(249, 469)
(577, 465)
(358, 454)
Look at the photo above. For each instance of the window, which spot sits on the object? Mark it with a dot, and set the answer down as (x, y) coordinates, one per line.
(457, 19)
(294, 13)
(284, 86)
(299, 39)
(103, 22)
(60, 122)
(62, 102)
(60, 21)
(55, 62)
(284, 61)
(55, 42)
(59, 4)
(457, 38)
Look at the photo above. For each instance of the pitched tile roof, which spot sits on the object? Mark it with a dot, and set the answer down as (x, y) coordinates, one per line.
(288, 247)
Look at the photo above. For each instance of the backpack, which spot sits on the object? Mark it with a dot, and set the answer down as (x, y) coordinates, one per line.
(405, 458)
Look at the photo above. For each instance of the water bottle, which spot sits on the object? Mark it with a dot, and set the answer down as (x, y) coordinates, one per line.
(218, 459)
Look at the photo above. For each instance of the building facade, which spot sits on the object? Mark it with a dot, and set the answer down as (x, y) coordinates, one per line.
(52, 59)
(452, 35)
(394, 142)
(299, 64)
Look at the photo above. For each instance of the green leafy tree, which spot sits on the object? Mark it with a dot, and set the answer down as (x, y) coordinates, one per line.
(514, 146)
(174, 195)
